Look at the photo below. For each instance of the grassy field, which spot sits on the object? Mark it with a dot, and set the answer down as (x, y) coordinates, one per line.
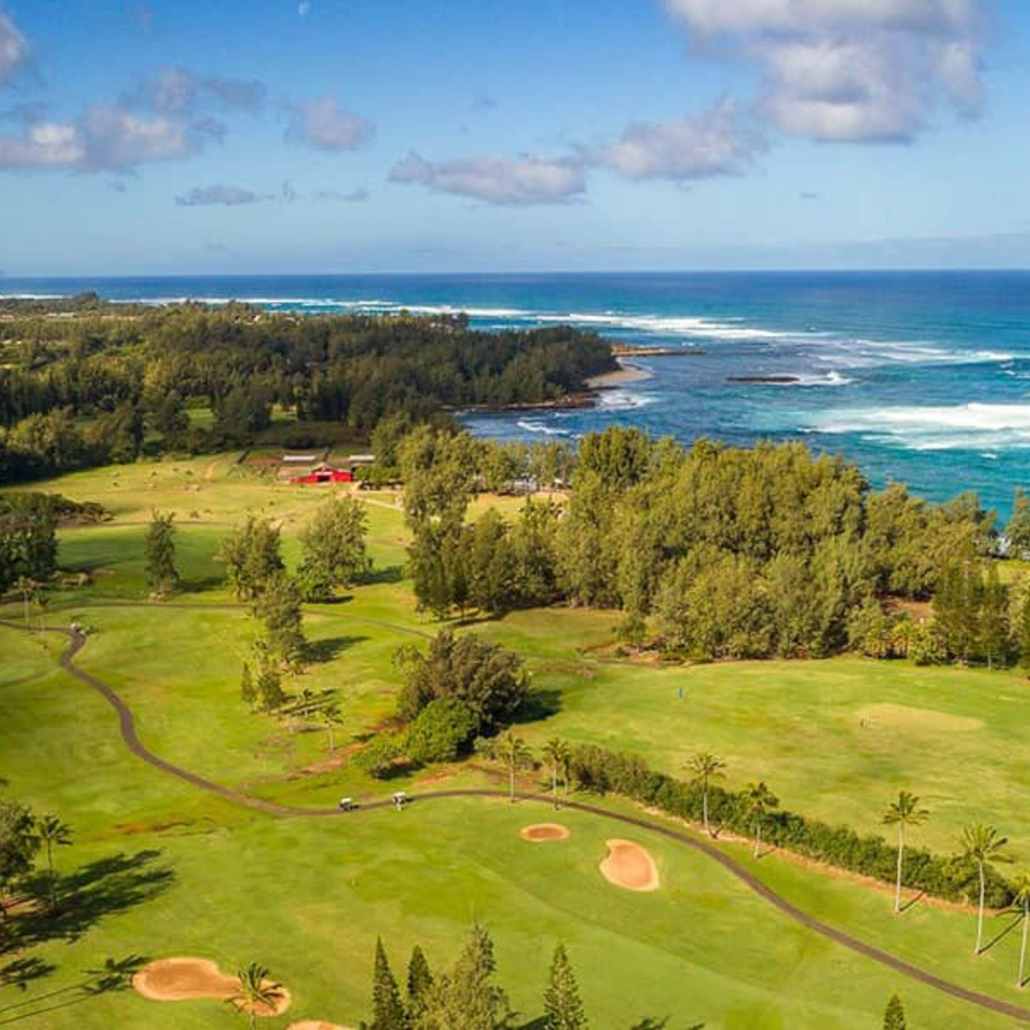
(197, 875)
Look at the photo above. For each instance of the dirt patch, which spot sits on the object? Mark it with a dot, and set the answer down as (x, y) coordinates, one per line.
(629, 866)
(543, 831)
(187, 979)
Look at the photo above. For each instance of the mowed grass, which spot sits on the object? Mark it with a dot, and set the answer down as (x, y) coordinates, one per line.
(308, 897)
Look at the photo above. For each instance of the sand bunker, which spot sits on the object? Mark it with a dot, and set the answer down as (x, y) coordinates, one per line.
(186, 979)
(543, 831)
(314, 1024)
(628, 865)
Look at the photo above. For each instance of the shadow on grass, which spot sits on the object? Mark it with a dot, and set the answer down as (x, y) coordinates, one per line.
(114, 975)
(319, 651)
(387, 574)
(201, 584)
(539, 704)
(22, 971)
(1002, 933)
(913, 901)
(101, 888)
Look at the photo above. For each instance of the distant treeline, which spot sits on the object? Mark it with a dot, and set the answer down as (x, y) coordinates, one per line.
(713, 551)
(98, 383)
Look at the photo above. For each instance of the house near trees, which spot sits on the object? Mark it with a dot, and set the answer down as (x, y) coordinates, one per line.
(323, 474)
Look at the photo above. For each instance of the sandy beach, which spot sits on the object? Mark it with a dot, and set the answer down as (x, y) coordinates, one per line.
(627, 373)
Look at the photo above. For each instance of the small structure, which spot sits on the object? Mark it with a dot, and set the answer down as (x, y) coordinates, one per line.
(400, 799)
(323, 474)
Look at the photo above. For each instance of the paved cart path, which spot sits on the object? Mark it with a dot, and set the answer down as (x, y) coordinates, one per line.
(76, 641)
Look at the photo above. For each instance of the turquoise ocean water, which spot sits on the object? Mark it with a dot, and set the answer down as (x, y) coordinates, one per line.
(922, 377)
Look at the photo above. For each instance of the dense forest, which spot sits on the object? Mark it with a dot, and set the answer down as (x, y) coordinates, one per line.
(719, 552)
(86, 382)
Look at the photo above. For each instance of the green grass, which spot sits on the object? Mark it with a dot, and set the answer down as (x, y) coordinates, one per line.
(834, 739)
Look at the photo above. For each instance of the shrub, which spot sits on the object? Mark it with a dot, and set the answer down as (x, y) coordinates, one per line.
(442, 732)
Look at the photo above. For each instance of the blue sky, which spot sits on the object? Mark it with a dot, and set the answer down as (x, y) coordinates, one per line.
(461, 135)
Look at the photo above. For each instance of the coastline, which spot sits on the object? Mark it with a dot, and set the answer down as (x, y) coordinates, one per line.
(626, 373)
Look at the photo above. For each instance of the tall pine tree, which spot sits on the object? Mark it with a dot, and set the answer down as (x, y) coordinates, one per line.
(387, 1008)
(894, 1017)
(563, 1009)
(993, 623)
(420, 979)
(159, 548)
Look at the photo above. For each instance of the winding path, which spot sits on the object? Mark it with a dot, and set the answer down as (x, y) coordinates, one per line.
(77, 641)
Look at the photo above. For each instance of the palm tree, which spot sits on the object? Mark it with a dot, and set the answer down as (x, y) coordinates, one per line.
(330, 716)
(255, 990)
(26, 587)
(51, 831)
(556, 752)
(903, 812)
(982, 845)
(704, 768)
(1022, 889)
(760, 800)
(516, 754)
(42, 602)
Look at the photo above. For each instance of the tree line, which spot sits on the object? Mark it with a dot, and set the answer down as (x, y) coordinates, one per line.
(714, 551)
(105, 383)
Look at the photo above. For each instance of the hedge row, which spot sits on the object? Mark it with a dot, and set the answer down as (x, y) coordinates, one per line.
(953, 878)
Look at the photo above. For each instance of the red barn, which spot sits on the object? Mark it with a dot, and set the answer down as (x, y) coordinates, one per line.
(324, 474)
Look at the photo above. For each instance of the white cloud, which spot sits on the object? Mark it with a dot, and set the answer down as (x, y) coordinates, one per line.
(323, 124)
(105, 138)
(720, 141)
(14, 48)
(179, 91)
(496, 180)
(228, 196)
(862, 70)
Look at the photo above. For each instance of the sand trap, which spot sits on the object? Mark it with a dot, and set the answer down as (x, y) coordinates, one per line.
(543, 831)
(314, 1024)
(186, 979)
(629, 865)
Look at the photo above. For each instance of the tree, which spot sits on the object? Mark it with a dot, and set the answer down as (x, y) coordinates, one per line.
(52, 833)
(330, 716)
(442, 731)
(516, 754)
(251, 556)
(894, 1017)
(420, 979)
(387, 1007)
(42, 598)
(491, 565)
(982, 845)
(269, 684)
(704, 769)
(994, 631)
(1017, 532)
(253, 991)
(333, 545)
(1024, 630)
(278, 606)
(248, 689)
(1021, 886)
(557, 754)
(760, 801)
(18, 844)
(486, 677)
(903, 812)
(466, 996)
(159, 549)
(563, 1008)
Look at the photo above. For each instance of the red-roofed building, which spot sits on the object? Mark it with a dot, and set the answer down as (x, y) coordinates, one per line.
(324, 474)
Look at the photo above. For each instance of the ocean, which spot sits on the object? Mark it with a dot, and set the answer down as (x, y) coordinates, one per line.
(918, 377)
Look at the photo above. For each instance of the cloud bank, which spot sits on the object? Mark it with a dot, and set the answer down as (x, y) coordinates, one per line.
(14, 48)
(504, 181)
(324, 125)
(850, 70)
